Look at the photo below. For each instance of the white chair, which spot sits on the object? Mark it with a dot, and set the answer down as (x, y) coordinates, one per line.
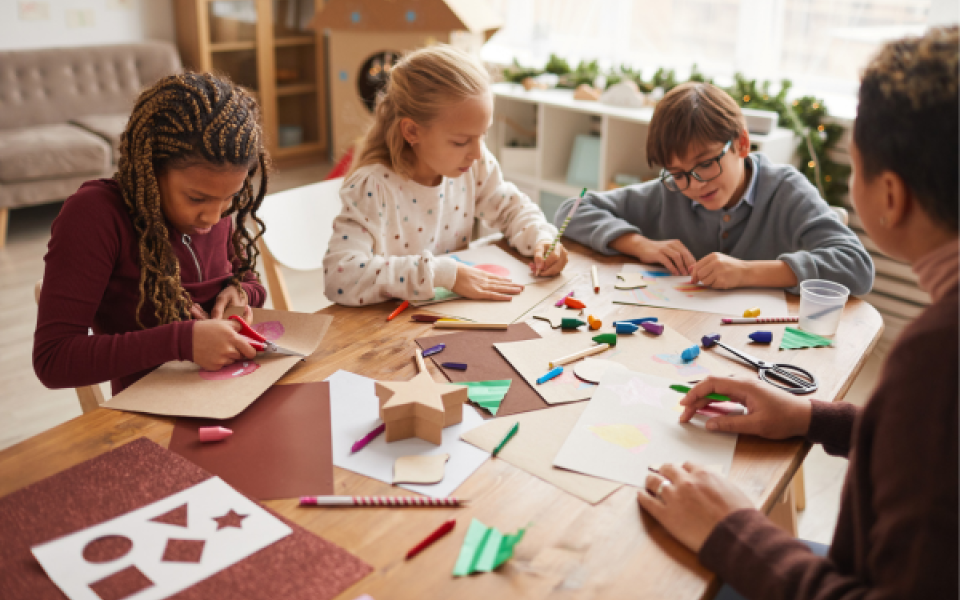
(90, 396)
(299, 223)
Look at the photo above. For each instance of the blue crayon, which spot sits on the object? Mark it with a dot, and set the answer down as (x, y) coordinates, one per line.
(556, 371)
(454, 366)
(624, 327)
(434, 350)
(762, 337)
(690, 353)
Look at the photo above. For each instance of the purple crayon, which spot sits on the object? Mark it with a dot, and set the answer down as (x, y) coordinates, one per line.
(455, 366)
(710, 340)
(654, 328)
(762, 337)
(434, 350)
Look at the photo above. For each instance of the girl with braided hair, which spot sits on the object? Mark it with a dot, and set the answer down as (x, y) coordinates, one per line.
(151, 259)
(420, 177)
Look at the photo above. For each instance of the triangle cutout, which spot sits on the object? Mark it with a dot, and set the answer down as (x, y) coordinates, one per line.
(177, 516)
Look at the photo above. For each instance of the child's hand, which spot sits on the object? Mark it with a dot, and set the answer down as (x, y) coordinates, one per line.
(231, 296)
(719, 271)
(670, 253)
(551, 265)
(480, 285)
(217, 344)
(771, 413)
(197, 313)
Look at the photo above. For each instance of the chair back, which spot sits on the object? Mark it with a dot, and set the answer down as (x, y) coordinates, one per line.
(299, 223)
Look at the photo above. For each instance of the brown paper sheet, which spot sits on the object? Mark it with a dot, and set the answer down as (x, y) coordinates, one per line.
(489, 311)
(182, 389)
(280, 447)
(484, 363)
(301, 566)
(643, 352)
(538, 440)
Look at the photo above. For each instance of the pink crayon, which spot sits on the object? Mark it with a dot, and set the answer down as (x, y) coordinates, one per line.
(214, 434)
(654, 328)
(359, 444)
(560, 302)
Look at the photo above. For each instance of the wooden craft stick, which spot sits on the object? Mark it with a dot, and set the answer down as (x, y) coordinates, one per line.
(469, 325)
(421, 367)
(578, 355)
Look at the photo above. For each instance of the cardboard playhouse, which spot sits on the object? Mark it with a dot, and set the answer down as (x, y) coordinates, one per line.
(367, 37)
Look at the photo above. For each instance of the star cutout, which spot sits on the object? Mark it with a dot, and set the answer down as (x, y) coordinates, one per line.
(231, 519)
(420, 407)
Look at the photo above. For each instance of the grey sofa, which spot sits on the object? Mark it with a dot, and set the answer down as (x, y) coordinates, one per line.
(62, 112)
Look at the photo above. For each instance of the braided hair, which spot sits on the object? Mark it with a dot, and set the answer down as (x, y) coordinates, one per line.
(185, 120)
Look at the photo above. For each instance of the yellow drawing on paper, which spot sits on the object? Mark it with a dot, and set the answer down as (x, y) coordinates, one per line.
(631, 437)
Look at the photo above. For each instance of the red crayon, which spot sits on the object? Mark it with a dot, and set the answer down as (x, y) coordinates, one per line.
(436, 535)
(400, 309)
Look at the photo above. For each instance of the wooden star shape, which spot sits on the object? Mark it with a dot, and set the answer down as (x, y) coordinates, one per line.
(420, 407)
(231, 519)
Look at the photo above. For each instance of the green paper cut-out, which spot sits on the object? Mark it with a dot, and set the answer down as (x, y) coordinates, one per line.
(487, 394)
(794, 339)
(443, 294)
(484, 549)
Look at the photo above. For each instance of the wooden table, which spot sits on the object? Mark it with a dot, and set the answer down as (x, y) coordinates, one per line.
(571, 549)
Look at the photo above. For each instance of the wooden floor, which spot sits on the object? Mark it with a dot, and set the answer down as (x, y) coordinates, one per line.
(27, 408)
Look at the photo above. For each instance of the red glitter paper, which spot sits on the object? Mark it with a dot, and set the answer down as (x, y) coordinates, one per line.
(301, 566)
(231, 519)
(121, 584)
(189, 551)
(107, 548)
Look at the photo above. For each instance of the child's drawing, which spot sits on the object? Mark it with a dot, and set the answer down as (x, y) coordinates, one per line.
(684, 369)
(630, 437)
(272, 330)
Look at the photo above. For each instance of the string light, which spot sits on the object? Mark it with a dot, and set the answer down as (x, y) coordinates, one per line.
(815, 106)
(820, 128)
(746, 98)
(827, 178)
(811, 164)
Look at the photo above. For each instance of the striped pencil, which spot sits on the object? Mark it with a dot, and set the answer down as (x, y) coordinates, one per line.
(396, 501)
(565, 223)
(760, 320)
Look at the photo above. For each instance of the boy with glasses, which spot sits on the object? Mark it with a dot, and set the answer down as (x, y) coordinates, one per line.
(723, 216)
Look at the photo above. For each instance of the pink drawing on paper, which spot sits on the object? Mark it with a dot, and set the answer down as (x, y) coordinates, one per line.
(691, 288)
(272, 330)
(494, 270)
(633, 438)
(684, 369)
(637, 391)
(237, 369)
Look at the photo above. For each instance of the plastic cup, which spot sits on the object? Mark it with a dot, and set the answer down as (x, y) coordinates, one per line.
(821, 306)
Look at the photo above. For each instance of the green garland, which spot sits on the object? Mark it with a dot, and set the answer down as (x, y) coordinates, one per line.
(805, 116)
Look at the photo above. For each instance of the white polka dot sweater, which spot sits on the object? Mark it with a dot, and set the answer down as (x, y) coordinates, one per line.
(391, 233)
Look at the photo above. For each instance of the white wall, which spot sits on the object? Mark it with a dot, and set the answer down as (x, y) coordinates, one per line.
(60, 23)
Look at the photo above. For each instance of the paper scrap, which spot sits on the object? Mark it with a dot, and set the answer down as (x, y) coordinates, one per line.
(592, 369)
(484, 549)
(629, 281)
(419, 469)
(795, 339)
(487, 394)
(222, 528)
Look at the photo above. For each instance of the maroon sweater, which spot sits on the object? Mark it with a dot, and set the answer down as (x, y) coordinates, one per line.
(896, 534)
(92, 280)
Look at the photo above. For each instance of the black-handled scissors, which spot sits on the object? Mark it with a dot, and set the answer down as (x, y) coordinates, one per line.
(784, 376)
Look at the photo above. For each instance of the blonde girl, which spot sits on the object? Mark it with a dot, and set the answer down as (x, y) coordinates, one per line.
(422, 174)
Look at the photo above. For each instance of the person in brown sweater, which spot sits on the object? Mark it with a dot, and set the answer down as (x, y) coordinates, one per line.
(151, 258)
(897, 531)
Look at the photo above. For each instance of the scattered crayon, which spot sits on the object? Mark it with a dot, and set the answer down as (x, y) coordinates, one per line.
(710, 340)
(654, 328)
(606, 338)
(690, 353)
(403, 306)
(441, 531)
(571, 323)
(434, 350)
(762, 337)
(214, 434)
(751, 312)
(553, 373)
(559, 303)
(595, 323)
(623, 328)
(684, 389)
(425, 318)
(638, 321)
(572, 302)
(596, 279)
(359, 444)
(513, 431)
(455, 366)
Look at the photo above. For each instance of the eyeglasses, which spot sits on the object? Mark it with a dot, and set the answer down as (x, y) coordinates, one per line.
(706, 171)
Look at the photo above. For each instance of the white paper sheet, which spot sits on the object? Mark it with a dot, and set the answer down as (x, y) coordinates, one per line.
(355, 412)
(222, 545)
(678, 292)
(631, 424)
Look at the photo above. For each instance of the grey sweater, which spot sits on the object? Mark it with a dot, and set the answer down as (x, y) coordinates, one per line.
(787, 221)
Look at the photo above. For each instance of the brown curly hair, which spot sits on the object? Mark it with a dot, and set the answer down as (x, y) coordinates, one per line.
(185, 120)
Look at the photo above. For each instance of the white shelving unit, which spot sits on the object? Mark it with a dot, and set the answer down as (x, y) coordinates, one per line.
(550, 121)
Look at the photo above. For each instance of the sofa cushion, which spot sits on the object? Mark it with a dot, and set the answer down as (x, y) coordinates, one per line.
(108, 127)
(50, 151)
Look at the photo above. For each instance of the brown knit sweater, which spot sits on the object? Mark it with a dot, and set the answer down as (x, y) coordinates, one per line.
(897, 532)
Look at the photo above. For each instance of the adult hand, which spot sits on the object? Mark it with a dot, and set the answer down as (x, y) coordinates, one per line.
(719, 271)
(670, 253)
(771, 412)
(231, 296)
(217, 343)
(551, 265)
(691, 503)
(480, 285)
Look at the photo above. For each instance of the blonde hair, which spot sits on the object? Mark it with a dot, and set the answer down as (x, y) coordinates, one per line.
(423, 82)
